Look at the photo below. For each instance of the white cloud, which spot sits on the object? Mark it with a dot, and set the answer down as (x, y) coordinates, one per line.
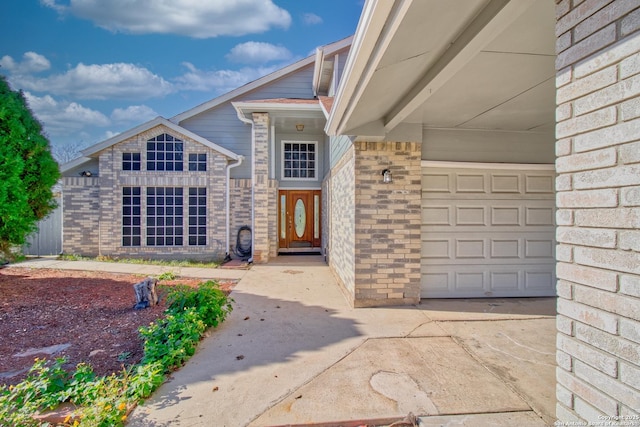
(109, 134)
(258, 53)
(31, 63)
(218, 81)
(311, 19)
(105, 81)
(192, 18)
(133, 113)
(61, 118)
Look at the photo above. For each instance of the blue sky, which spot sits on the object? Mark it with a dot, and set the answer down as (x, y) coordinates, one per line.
(93, 68)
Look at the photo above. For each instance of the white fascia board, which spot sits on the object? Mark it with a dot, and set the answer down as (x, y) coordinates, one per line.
(74, 164)
(317, 70)
(151, 124)
(275, 106)
(244, 109)
(377, 17)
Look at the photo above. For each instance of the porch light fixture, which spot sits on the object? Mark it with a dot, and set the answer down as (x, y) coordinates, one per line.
(85, 173)
(299, 127)
(387, 177)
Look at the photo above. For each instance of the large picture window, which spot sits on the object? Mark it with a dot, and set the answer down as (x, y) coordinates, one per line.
(197, 216)
(299, 160)
(131, 229)
(165, 216)
(165, 153)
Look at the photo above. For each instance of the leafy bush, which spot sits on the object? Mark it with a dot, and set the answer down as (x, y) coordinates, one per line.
(167, 275)
(101, 401)
(106, 401)
(173, 339)
(210, 302)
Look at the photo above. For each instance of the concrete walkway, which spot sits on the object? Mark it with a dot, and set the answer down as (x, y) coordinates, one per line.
(142, 269)
(294, 353)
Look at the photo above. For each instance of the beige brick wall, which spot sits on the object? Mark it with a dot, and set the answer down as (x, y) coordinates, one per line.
(81, 214)
(598, 200)
(339, 193)
(387, 224)
(108, 207)
(264, 198)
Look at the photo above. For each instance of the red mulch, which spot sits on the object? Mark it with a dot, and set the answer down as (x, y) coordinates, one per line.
(91, 311)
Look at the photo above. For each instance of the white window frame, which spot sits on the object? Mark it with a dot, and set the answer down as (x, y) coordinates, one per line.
(316, 161)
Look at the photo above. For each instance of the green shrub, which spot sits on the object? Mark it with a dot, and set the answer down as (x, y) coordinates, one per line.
(173, 339)
(210, 302)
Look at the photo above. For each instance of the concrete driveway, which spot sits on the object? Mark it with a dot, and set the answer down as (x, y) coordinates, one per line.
(293, 353)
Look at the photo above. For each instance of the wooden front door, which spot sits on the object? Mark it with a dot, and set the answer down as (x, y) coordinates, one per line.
(299, 219)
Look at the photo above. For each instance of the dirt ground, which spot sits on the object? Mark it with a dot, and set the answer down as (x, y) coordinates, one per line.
(82, 316)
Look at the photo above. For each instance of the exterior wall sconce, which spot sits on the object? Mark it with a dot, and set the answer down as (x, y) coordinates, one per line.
(85, 173)
(299, 127)
(387, 177)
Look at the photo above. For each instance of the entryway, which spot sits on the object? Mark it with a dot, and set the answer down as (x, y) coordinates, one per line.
(299, 220)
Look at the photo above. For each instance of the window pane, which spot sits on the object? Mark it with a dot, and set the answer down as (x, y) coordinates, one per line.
(197, 216)
(299, 160)
(130, 216)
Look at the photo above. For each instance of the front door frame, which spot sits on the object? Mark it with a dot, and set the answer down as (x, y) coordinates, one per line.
(287, 235)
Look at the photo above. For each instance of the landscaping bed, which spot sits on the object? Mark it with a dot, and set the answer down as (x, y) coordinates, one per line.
(81, 316)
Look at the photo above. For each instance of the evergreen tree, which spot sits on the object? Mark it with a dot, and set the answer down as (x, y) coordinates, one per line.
(27, 170)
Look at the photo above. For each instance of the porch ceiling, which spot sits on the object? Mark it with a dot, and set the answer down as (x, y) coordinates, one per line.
(483, 64)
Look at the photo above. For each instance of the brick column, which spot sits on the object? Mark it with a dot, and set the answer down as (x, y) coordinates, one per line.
(260, 183)
(598, 200)
(387, 224)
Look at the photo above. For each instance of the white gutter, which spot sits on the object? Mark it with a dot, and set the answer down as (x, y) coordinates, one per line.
(228, 207)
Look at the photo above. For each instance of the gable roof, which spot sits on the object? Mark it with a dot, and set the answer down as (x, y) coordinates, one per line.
(151, 124)
(326, 50)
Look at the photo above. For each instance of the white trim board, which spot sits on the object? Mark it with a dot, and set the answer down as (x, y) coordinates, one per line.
(473, 165)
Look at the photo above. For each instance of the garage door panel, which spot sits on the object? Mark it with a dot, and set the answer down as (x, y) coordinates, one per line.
(490, 248)
(484, 213)
(465, 182)
(488, 232)
(482, 281)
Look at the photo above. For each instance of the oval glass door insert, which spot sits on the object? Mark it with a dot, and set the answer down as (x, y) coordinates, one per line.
(300, 218)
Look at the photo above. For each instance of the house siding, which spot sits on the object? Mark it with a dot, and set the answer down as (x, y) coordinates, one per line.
(221, 125)
(339, 146)
(598, 200)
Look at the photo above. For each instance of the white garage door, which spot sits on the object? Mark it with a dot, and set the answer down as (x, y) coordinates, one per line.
(487, 230)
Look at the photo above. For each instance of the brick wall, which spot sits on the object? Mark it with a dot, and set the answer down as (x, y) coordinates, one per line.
(598, 200)
(108, 209)
(81, 214)
(387, 224)
(262, 195)
(339, 192)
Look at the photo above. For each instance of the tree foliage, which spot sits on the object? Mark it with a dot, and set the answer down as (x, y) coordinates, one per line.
(27, 170)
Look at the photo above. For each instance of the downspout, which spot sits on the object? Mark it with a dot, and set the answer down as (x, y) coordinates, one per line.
(230, 166)
(253, 179)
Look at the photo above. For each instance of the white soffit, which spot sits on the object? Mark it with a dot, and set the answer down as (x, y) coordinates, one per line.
(485, 64)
